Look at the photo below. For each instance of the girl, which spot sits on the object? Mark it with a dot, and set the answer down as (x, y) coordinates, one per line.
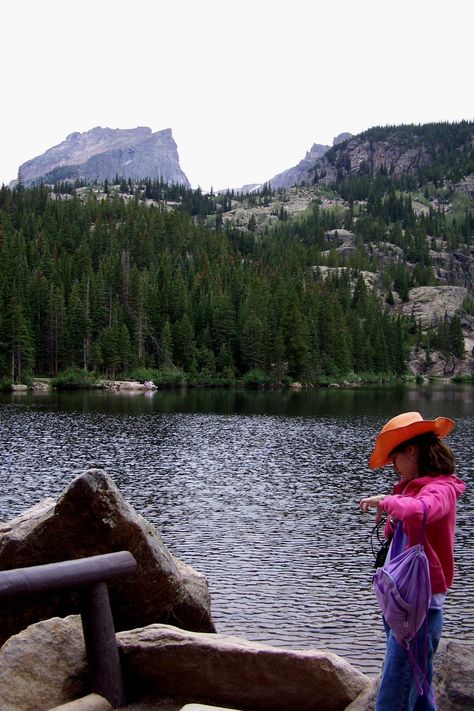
(425, 466)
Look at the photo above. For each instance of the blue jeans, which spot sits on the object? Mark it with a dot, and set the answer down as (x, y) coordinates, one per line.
(398, 689)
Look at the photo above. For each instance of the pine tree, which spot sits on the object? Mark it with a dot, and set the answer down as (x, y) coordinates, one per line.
(166, 345)
(456, 337)
(252, 343)
(184, 346)
(19, 341)
(296, 337)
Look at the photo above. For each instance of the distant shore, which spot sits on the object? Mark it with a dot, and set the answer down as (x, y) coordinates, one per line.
(43, 385)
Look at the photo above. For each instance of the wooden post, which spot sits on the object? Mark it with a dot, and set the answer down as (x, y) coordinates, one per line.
(101, 645)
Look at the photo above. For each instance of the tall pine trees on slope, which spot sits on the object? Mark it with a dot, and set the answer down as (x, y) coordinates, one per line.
(115, 285)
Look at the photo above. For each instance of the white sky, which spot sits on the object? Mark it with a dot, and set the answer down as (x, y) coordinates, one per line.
(247, 87)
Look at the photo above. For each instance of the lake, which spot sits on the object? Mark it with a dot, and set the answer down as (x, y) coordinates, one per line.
(257, 490)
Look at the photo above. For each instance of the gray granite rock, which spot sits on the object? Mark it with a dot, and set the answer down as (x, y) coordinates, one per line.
(429, 304)
(104, 153)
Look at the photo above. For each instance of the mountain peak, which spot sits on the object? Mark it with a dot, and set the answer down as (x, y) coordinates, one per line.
(341, 138)
(106, 152)
(295, 175)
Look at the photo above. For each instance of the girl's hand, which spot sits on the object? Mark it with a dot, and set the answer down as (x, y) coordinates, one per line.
(372, 502)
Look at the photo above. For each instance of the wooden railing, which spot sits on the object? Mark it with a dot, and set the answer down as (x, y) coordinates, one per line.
(89, 576)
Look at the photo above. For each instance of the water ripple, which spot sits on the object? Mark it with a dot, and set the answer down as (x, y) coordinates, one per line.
(264, 505)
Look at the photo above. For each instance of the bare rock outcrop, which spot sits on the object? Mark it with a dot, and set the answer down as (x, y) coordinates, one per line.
(230, 671)
(91, 518)
(429, 304)
(362, 153)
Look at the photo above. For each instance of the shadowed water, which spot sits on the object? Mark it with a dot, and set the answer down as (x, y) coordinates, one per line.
(258, 491)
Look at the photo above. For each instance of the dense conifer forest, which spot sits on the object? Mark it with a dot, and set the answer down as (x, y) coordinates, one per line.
(119, 287)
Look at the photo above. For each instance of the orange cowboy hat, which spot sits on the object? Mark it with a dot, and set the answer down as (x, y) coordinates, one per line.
(402, 428)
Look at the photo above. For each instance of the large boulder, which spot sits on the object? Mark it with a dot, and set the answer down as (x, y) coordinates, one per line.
(43, 666)
(454, 676)
(229, 671)
(90, 518)
(453, 680)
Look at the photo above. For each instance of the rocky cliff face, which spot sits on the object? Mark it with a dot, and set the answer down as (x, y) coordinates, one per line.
(296, 175)
(362, 155)
(396, 151)
(104, 153)
(299, 173)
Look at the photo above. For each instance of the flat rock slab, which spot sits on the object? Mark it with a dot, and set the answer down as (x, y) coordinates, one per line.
(234, 673)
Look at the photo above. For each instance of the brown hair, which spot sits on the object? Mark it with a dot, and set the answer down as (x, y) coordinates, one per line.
(434, 456)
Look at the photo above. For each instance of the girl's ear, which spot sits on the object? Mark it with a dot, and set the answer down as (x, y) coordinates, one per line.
(411, 450)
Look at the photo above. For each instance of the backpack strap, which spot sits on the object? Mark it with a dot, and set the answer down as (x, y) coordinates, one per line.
(423, 523)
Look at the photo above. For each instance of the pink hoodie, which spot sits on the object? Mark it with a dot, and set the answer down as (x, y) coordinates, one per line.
(440, 494)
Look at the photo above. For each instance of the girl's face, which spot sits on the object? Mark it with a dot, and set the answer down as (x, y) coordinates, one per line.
(405, 463)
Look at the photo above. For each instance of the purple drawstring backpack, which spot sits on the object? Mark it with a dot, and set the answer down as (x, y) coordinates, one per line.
(403, 590)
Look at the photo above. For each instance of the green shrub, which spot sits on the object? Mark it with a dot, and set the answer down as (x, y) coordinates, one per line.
(6, 384)
(169, 378)
(463, 379)
(370, 377)
(162, 377)
(74, 379)
(207, 379)
(226, 379)
(255, 379)
(324, 380)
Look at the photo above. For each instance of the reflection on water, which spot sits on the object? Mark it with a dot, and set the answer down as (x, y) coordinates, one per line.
(258, 491)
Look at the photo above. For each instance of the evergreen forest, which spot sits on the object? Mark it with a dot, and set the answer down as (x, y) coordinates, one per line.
(117, 287)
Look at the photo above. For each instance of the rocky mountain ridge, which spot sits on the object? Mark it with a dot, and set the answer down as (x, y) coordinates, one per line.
(294, 175)
(396, 151)
(103, 153)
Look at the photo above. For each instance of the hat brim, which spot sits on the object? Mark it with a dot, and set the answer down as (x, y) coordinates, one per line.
(387, 441)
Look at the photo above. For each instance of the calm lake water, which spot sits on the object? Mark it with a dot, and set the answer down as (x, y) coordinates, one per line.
(258, 491)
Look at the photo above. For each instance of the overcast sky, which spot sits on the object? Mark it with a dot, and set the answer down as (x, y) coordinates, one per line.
(247, 87)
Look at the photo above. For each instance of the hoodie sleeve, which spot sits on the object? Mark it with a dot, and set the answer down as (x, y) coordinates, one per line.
(401, 507)
(438, 498)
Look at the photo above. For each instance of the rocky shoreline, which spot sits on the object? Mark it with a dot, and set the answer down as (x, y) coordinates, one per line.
(418, 376)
